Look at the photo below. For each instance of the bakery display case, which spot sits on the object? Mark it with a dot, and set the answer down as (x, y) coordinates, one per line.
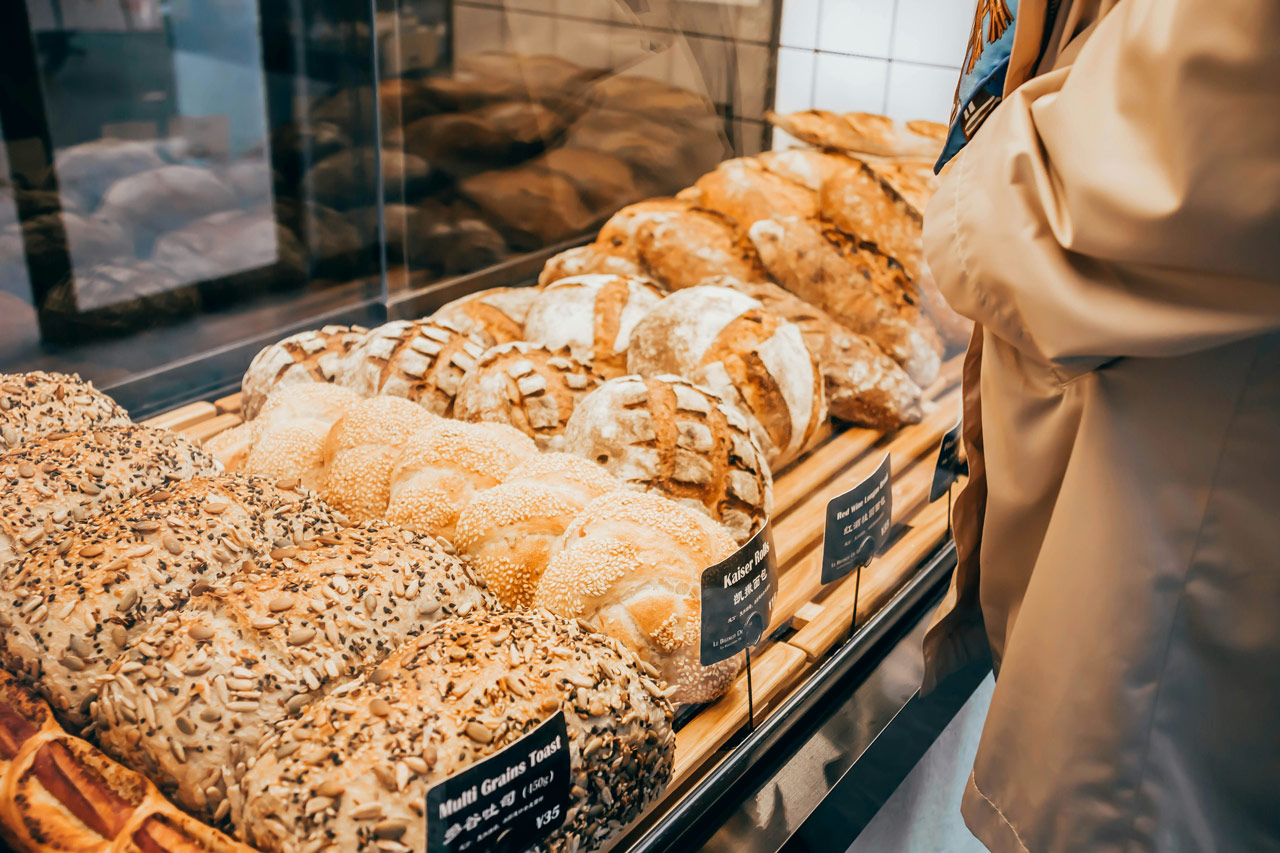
(460, 342)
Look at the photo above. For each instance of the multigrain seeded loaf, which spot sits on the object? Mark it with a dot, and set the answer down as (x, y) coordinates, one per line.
(750, 357)
(511, 531)
(591, 259)
(420, 360)
(47, 485)
(864, 385)
(58, 792)
(631, 567)
(441, 466)
(859, 287)
(354, 769)
(362, 448)
(70, 609)
(311, 356)
(38, 403)
(290, 432)
(494, 316)
(197, 695)
(527, 386)
(593, 316)
(664, 434)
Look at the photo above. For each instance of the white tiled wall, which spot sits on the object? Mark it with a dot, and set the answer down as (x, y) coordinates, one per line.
(897, 57)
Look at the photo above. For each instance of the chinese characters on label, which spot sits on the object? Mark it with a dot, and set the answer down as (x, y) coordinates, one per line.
(858, 524)
(737, 599)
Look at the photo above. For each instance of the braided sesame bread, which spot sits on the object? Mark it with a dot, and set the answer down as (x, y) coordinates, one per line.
(38, 403)
(58, 792)
(362, 448)
(290, 431)
(750, 357)
(590, 259)
(664, 434)
(69, 609)
(311, 356)
(195, 697)
(49, 484)
(231, 446)
(631, 567)
(355, 767)
(528, 386)
(493, 316)
(440, 468)
(592, 316)
(511, 531)
(420, 360)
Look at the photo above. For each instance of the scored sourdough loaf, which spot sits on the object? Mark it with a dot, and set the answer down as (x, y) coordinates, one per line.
(592, 316)
(442, 465)
(511, 531)
(750, 357)
(58, 792)
(664, 434)
(420, 360)
(683, 249)
(50, 484)
(745, 191)
(527, 386)
(38, 403)
(198, 693)
(591, 259)
(618, 236)
(493, 316)
(290, 431)
(631, 567)
(311, 356)
(71, 608)
(361, 450)
(355, 767)
(864, 385)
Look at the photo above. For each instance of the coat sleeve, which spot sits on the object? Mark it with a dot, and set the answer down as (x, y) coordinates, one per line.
(1128, 205)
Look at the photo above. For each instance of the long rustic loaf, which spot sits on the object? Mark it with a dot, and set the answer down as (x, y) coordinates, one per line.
(664, 434)
(58, 792)
(618, 235)
(198, 694)
(748, 356)
(685, 248)
(862, 289)
(527, 386)
(47, 485)
(354, 769)
(745, 191)
(420, 360)
(631, 567)
(511, 531)
(864, 385)
(311, 356)
(38, 403)
(441, 466)
(70, 609)
(593, 317)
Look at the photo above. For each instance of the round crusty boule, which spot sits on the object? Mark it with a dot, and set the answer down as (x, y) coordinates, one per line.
(355, 766)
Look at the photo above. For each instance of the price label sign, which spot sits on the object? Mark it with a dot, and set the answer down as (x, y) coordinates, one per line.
(507, 803)
(950, 465)
(858, 524)
(738, 594)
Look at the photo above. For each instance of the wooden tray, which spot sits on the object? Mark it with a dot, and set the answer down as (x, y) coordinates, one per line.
(822, 616)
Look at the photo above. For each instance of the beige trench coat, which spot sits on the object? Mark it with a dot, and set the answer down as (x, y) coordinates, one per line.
(1114, 228)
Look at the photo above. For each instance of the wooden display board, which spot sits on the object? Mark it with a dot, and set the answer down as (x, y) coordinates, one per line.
(822, 616)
